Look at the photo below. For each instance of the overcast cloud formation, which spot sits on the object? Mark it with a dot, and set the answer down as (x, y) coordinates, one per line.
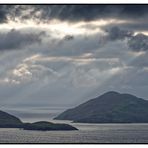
(67, 54)
(73, 12)
(15, 39)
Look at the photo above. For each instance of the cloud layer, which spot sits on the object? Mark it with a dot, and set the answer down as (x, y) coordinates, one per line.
(15, 39)
(67, 54)
(73, 12)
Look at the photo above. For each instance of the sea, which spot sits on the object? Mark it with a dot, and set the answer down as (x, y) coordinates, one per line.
(87, 133)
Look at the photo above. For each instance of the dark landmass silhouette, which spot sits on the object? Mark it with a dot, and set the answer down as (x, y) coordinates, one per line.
(111, 107)
(46, 126)
(10, 121)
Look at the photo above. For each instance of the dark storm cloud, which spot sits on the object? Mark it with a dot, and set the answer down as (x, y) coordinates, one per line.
(72, 12)
(115, 33)
(92, 12)
(3, 14)
(61, 12)
(138, 42)
(15, 39)
(137, 25)
(68, 37)
(7, 12)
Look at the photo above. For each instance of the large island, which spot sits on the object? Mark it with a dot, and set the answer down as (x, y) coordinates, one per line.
(111, 107)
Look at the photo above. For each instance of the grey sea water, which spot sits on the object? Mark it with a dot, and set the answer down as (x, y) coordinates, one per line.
(87, 133)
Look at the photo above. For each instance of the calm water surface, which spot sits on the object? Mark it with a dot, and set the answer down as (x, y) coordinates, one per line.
(87, 133)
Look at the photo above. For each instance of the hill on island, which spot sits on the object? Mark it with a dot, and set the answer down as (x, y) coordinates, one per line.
(111, 107)
(10, 121)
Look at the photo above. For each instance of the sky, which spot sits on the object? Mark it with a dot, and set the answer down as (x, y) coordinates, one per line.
(68, 54)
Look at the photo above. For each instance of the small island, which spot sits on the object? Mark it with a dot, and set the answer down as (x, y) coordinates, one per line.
(10, 121)
(47, 126)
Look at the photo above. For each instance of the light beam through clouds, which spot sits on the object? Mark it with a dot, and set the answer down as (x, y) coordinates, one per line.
(61, 59)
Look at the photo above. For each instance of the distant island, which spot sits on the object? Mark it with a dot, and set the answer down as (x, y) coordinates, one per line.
(111, 107)
(47, 126)
(10, 121)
